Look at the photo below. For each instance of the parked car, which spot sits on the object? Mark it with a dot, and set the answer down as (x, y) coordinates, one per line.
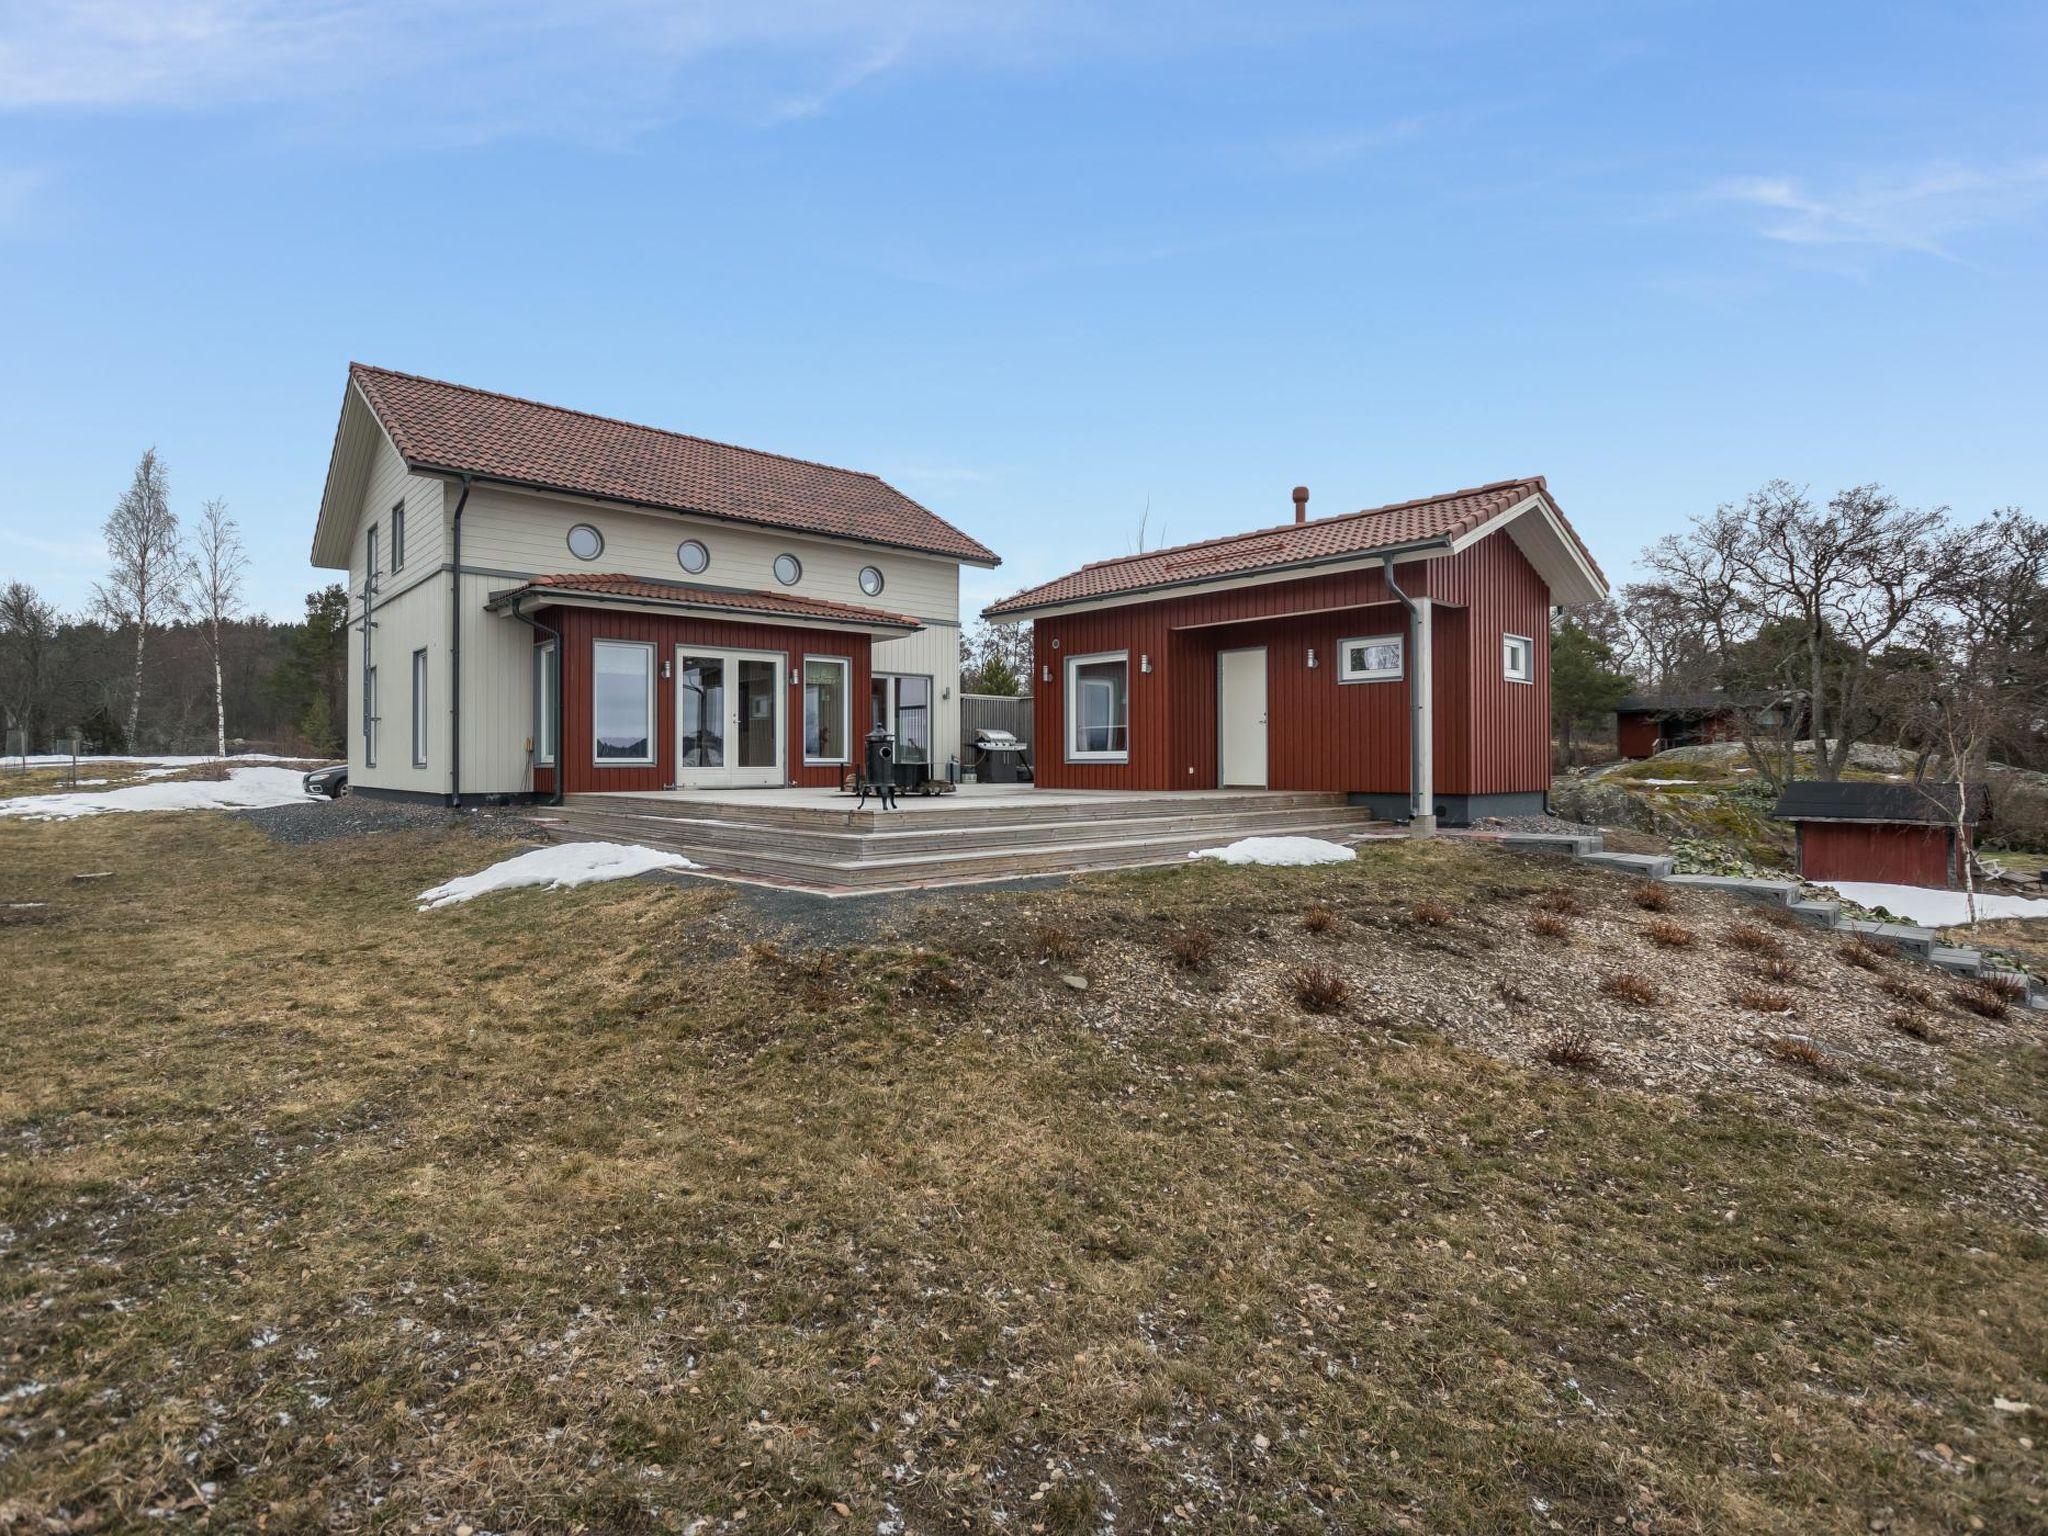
(329, 781)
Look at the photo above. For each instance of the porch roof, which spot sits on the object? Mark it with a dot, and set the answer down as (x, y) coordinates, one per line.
(650, 594)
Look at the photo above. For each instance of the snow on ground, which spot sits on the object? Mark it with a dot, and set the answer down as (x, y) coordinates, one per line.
(557, 868)
(1278, 850)
(164, 760)
(244, 789)
(1689, 783)
(1935, 909)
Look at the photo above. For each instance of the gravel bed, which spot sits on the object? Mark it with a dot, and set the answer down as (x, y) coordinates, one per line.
(1537, 824)
(320, 821)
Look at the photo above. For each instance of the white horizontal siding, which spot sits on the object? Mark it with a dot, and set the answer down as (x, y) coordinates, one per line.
(414, 619)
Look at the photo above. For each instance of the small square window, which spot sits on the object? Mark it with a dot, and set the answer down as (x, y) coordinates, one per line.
(1518, 658)
(1373, 659)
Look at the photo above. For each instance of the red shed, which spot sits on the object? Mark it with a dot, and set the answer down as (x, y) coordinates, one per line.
(1885, 834)
(1400, 655)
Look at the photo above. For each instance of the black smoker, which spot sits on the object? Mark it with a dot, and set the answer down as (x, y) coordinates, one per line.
(878, 769)
(999, 758)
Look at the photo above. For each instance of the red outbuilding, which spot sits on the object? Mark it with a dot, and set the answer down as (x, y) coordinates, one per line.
(1400, 655)
(1884, 834)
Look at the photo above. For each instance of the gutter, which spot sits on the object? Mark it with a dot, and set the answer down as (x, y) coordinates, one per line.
(573, 597)
(455, 654)
(1421, 803)
(560, 764)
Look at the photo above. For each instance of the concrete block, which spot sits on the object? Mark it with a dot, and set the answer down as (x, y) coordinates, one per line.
(1783, 892)
(1651, 866)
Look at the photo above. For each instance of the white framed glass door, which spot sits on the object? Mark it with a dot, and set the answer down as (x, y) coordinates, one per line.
(729, 717)
(901, 704)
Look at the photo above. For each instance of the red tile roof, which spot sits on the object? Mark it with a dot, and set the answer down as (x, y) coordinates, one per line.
(454, 429)
(1433, 518)
(644, 589)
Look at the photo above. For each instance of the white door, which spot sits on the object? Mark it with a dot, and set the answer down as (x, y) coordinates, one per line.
(729, 721)
(1241, 718)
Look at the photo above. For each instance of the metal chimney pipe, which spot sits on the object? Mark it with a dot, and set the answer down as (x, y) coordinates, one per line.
(1301, 503)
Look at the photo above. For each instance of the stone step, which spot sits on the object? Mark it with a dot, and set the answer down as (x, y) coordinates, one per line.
(1576, 845)
(828, 811)
(1824, 913)
(1651, 866)
(1916, 941)
(1964, 962)
(1781, 892)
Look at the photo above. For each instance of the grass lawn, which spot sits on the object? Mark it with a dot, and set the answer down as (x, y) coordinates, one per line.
(620, 1209)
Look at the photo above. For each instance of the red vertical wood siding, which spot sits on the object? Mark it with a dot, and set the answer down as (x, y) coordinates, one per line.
(581, 627)
(1491, 736)
(1636, 735)
(1886, 853)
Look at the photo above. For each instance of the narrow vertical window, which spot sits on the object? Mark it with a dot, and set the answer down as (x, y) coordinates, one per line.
(419, 706)
(828, 696)
(544, 704)
(370, 560)
(622, 703)
(913, 719)
(398, 537)
(369, 717)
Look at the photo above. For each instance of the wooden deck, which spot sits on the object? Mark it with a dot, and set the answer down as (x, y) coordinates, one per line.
(817, 840)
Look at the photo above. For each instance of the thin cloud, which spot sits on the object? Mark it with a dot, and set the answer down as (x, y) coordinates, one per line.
(1924, 211)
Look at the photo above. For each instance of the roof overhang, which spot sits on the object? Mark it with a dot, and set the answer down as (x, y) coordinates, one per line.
(356, 436)
(1539, 532)
(540, 595)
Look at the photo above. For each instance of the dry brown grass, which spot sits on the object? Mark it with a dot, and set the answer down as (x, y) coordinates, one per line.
(1914, 1025)
(1981, 1000)
(1548, 925)
(1903, 989)
(1762, 1000)
(1669, 934)
(1318, 989)
(1054, 941)
(1793, 1051)
(1318, 919)
(1629, 987)
(1431, 913)
(1192, 948)
(1751, 939)
(1561, 899)
(1861, 953)
(1573, 1048)
(2011, 988)
(1651, 896)
(1781, 969)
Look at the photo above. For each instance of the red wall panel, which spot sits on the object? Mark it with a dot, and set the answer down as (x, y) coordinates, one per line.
(580, 627)
(1636, 735)
(1875, 851)
(1491, 736)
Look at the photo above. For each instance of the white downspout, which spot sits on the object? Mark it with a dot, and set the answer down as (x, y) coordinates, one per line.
(1421, 710)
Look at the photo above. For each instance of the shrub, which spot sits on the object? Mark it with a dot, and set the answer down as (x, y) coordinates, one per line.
(1907, 1022)
(1902, 990)
(2009, 987)
(1651, 896)
(1548, 925)
(1191, 948)
(1762, 1000)
(1782, 917)
(1563, 901)
(1861, 953)
(1779, 969)
(1574, 1049)
(1803, 1054)
(1980, 1000)
(1628, 987)
(1664, 931)
(1752, 938)
(1049, 941)
(1318, 919)
(1321, 990)
(1430, 913)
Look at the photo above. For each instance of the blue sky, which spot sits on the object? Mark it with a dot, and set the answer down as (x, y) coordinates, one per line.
(1041, 265)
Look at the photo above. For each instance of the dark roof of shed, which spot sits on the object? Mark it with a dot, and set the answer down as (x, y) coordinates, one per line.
(1673, 703)
(1932, 804)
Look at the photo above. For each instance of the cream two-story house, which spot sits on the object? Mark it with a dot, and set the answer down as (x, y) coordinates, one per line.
(542, 599)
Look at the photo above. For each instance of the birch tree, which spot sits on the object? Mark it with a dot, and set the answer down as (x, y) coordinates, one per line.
(147, 584)
(217, 565)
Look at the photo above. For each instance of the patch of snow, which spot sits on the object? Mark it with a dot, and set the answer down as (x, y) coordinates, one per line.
(1286, 851)
(244, 789)
(557, 868)
(166, 760)
(1935, 909)
(1693, 783)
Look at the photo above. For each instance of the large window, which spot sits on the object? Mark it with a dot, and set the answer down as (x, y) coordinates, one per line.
(1375, 659)
(622, 703)
(1098, 707)
(398, 537)
(828, 692)
(1518, 658)
(419, 704)
(544, 685)
(369, 717)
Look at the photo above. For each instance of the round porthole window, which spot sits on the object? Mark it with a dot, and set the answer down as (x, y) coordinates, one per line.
(788, 570)
(585, 542)
(692, 556)
(871, 580)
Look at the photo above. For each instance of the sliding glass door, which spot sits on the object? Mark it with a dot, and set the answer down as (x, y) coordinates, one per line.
(729, 724)
(901, 703)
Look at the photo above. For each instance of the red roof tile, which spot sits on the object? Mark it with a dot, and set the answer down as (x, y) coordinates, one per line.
(455, 429)
(648, 590)
(1445, 517)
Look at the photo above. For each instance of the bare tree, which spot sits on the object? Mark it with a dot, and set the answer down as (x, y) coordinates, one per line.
(28, 636)
(217, 566)
(147, 583)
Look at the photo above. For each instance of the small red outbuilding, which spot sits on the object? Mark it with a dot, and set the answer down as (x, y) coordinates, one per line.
(1885, 834)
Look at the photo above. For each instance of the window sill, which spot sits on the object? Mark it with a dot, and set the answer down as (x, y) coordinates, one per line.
(1098, 757)
(1391, 677)
(828, 762)
(622, 762)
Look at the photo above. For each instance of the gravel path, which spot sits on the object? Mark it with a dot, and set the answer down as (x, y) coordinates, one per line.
(320, 821)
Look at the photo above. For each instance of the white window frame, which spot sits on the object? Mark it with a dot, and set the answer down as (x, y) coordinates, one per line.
(546, 679)
(1507, 658)
(845, 666)
(398, 538)
(1072, 708)
(1346, 675)
(647, 649)
(370, 558)
(597, 533)
(419, 708)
